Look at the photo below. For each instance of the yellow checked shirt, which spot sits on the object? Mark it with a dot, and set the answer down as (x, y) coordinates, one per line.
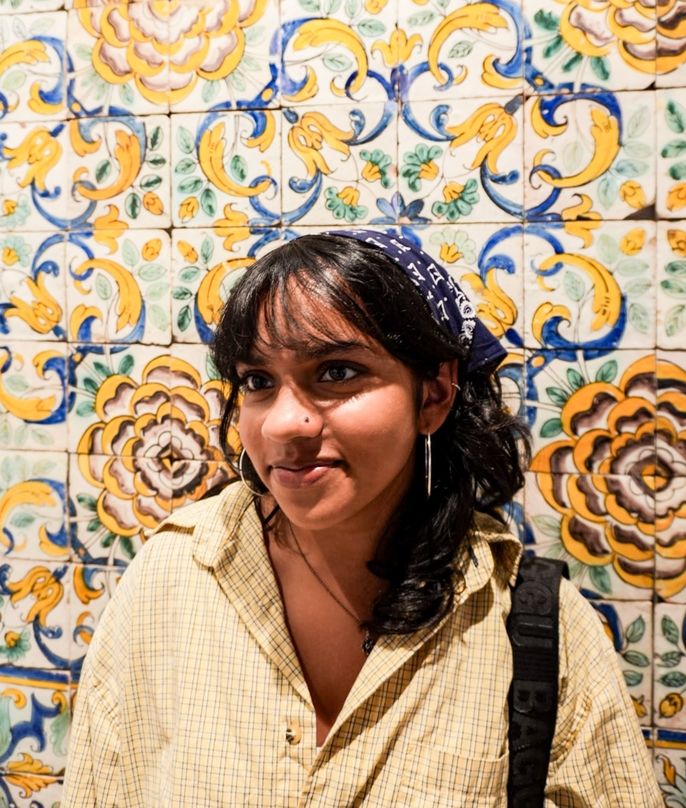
(192, 695)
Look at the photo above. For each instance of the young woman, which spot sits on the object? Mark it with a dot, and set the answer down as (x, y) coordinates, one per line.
(330, 631)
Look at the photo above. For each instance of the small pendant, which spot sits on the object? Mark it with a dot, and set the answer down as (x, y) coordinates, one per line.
(367, 643)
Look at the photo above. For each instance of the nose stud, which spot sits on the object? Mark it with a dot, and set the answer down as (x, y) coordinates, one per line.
(307, 420)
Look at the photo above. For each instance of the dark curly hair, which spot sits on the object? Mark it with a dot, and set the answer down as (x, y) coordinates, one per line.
(477, 453)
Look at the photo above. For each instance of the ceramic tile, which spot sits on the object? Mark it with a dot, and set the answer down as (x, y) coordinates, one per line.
(630, 628)
(38, 701)
(33, 176)
(197, 398)
(32, 286)
(670, 666)
(119, 169)
(92, 590)
(462, 160)
(592, 415)
(22, 788)
(590, 46)
(24, 6)
(119, 286)
(118, 59)
(34, 615)
(601, 525)
(336, 52)
(33, 405)
(205, 265)
(32, 520)
(32, 80)
(194, 479)
(670, 765)
(226, 169)
(671, 146)
(671, 53)
(453, 50)
(671, 284)
(343, 163)
(598, 295)
(487, 262)
(119, 401)
(590, 155)
(221, 59)
(116, 503)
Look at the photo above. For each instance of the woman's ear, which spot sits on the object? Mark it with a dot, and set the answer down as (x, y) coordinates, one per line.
(438, 395)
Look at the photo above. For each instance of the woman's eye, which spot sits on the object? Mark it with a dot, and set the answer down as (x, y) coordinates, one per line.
(254, 382)
(339, 373)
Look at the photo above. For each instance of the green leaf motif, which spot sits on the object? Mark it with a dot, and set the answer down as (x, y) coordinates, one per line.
(22, 519)
(84, 409)
(189, 274)
(551, 428)
(184, 318)
(352, 8)
(608, 249)
(637, 288)
(670, 659)
(600, 578)
(156, 160)
(132, 205)
(636, 658)
(88, 501)
(635, 631)
(676, 268)
(548, 525)
(190, 185)
(102, 170)
(156, 137)
(206, 249)
(330, 7)
(570, 64)
(151, 272)
(461, 49)
(185, 166)
(635, 148)
(156, 291)
(629, 267)
(553, 46)
(310, 5)
(14, 80)
(421, 18)
(639, 317)
(600, 67)
(573, 285)
(90, 385)
(678, 171)
(673, 679)
(638, 122)
(209, 90)
(557, 395)
(102, 369)
(670, 630)
(126, 546)
(16, 383)
(575, 379)
(337, 62)
(208, 201)
(238, 168)
(607, 191)
(159, 317)
(184, 140)
(547, 20)
(675, 320)
(151, 181)
(211, 368)
(673, 288)
(630, 168)
(676, 117)
(126, 365)
(370, 28)
(674, 148)
(129, 253)
(607, 372)
(632, 678)
(126, 94)
(103, 287)
(181, 293)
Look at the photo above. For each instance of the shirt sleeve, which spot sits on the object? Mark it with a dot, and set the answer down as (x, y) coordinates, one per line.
(599, 757)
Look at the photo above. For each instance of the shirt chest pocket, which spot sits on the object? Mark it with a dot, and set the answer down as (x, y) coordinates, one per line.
(447, 780)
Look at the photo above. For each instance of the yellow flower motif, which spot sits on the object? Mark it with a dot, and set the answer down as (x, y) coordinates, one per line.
(109, 227)
(40, 152)
(188, 208)
(676, 198)
(633, 241)
(428, 170)
(233, 227)
(633, 194)
(151, 249)
(47, 590)
(452, 190)
(307, 137)
(449, 252)
(153, 204)
(8, 207)
(677, 241)
(374, 6)
(187, 251)
(349, 195)
(371, 171)
(492, 126)
(671, 704)
(9, 256)
(399, 47)
(639, 706)
(668, 769)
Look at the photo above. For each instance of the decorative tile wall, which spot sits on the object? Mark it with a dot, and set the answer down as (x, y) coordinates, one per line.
(151, 151)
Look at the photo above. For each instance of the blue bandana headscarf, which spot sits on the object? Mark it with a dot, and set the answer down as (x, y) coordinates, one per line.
(449, 305)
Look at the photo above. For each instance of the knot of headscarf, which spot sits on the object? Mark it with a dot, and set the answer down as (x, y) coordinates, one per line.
(449, 305)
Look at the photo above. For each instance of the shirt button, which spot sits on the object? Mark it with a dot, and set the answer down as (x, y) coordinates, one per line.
(294, 733)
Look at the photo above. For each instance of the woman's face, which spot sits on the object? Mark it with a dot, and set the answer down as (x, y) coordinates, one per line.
(331, 429)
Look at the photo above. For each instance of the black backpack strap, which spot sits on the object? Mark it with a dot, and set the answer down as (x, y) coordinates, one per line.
(533, 630)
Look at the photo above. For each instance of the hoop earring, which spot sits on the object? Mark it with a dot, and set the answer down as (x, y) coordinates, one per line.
(242, 476)
(427, 465)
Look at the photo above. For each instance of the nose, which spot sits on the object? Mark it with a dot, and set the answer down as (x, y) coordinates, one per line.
(291, 416)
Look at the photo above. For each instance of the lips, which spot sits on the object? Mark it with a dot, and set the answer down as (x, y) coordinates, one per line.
(301, 475)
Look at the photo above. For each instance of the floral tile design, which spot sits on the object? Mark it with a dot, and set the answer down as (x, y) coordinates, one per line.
(670, 666)
(32, 67)
(226, 169)
(119, 286)
(630, 628)
(590, 289)
(119, 400)
(456, 49)
(589, 155)
(33, 505)
(336, 52)
(670, 765)
(195, 479)
(33, 176)
(205, 265)
(671, 284)
(670, 60)
(24, 6)
(671, 169)
(23, 787)
(596, 46)
(92, 590)
(343, 163)
(119, 169)
(464, 163)
(33, 404)
(601, 525)
(119, 61)
(32, 286)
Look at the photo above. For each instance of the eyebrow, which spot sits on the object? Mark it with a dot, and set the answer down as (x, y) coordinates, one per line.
(314, 350)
